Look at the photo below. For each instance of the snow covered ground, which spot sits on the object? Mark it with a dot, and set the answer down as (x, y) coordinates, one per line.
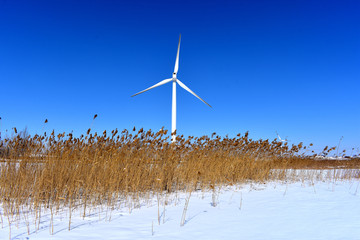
(325, 210)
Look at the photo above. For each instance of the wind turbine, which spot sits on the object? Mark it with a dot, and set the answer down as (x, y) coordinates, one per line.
(281, 140)
(174, 80)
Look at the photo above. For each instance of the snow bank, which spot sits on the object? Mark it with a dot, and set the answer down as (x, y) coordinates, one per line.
(325, 210)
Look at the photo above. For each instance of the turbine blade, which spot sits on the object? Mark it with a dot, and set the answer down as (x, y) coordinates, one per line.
(177, 58)
(154, 86)
(188, 89)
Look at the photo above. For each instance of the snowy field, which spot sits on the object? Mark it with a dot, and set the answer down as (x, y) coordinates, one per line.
(324, 210)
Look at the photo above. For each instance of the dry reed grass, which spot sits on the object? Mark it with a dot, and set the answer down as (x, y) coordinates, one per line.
(62, 171)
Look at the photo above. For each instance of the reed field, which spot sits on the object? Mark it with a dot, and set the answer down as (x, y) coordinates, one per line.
(60, 171)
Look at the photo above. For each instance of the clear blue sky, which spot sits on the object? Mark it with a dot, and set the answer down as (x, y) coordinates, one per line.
(264, 66)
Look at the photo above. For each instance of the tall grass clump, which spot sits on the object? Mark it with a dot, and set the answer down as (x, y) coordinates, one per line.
(59, 171)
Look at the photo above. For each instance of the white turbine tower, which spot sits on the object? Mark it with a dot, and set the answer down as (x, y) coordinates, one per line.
(174, 80)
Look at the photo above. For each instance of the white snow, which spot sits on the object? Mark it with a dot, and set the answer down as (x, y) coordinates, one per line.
(324, 210)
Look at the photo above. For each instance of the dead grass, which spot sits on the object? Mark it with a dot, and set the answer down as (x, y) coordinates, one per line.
(62, 171)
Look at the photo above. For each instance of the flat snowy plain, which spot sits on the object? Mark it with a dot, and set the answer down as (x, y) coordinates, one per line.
(323, 210)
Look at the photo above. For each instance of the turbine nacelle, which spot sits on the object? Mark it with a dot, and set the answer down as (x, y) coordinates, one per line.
(174, 76)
